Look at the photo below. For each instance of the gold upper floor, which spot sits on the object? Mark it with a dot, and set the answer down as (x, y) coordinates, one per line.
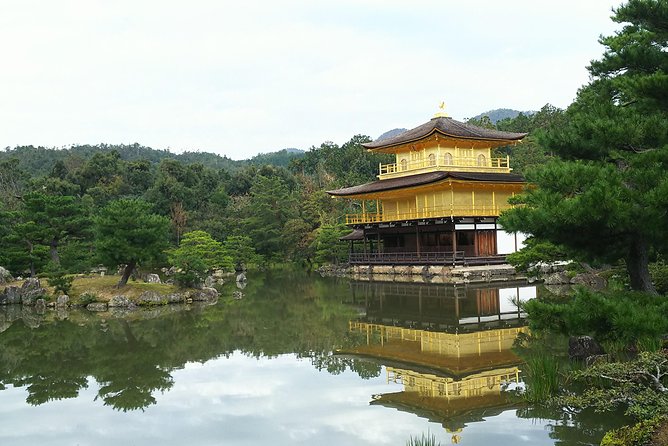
(435, 153)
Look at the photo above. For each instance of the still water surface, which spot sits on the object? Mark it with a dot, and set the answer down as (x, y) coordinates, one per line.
(299, 360)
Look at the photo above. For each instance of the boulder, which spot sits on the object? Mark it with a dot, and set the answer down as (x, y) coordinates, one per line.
(152, 278)
(241, 285)
(10, 295)
(237, 295)
(97, 306)
(204, 294)
(558, 278)
(119, 301)
(589, 280)
(5, 276)
(582, 347)
(155, 298)
(63, 301)
(241, 277)
(31, 290)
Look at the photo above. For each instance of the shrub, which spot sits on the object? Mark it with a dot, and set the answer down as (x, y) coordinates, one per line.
(61, 282)
(659, 273)
(86, 298)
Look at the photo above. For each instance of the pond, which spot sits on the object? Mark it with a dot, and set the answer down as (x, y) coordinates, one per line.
(299, 360)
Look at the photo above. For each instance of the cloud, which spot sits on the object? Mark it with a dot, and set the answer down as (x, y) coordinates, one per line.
(238, 78)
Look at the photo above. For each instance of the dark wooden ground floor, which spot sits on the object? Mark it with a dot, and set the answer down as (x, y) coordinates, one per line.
(471, 241)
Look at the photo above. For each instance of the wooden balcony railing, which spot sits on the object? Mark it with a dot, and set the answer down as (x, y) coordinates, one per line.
(407, 258)
(465, 164)
(428, 212)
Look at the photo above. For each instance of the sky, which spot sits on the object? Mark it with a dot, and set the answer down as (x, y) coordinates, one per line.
(246, 77)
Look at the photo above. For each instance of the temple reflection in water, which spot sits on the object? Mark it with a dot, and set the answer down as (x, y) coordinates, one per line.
(449, 347)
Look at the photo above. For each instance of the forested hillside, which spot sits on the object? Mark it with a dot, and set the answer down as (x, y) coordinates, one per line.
(39, 160)
(271, 208)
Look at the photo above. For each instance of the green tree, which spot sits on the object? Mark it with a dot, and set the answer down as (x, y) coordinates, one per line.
(128, 233)
(197, 254)
(327, 247)
(270, 207)
(240, 249)
(606, 199)
(59, 217)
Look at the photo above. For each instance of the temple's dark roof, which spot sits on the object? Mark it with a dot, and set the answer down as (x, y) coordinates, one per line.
(425, 178)
(357, 234)
(449, 127)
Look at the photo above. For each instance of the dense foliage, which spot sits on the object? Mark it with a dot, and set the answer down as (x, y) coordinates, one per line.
(618, 317)
(68, 210)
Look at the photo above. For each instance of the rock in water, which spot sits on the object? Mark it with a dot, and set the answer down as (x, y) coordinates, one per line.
(40, 305)
(31, 290)
(238, 295)
(205, 294)
(119, 301)
(582, 347)
(97, 306)
(63, 301)
(241, 277)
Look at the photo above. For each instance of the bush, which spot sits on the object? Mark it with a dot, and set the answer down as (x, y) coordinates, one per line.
(639, 434)
(197, 254)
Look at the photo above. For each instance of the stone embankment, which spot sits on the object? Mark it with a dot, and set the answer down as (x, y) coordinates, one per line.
(424, 273)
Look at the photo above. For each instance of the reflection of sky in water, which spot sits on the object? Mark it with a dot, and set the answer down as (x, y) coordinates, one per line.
(247, 401)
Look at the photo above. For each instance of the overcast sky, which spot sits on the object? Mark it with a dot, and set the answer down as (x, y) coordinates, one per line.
(243, 77)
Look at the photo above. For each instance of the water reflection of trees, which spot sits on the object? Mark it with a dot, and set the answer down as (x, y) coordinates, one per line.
(570, 428)
(132, 359)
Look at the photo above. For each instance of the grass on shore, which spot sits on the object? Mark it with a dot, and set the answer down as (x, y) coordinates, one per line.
(104, 288)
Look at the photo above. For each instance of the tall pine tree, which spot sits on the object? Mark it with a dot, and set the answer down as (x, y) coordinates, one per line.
(606, 199)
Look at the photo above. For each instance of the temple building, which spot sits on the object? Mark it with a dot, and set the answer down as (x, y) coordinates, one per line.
(439, 201)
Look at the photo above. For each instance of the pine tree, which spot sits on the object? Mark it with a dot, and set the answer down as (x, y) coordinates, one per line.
(606, 199)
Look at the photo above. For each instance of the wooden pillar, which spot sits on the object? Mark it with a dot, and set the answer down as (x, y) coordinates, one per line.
(378, 243)
(454, 241)
(364, 241)
(476, 240)
(417, 238)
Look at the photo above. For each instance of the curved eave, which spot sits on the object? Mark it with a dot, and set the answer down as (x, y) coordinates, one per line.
(494, 142)
(424, 180)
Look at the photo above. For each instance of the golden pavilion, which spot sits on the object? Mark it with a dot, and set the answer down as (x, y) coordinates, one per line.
(439, 201)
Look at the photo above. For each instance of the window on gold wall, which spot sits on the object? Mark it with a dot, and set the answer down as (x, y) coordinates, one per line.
(432, 159)
(482, 160)
(447, 158)
(404, 164)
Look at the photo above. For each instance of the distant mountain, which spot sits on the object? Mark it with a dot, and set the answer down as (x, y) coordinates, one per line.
(297, 151)
(390, 134)
(500, 114)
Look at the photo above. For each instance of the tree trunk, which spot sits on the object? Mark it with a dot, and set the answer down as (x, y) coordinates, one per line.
(637, 265)
(126, 273)
(55, 258)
